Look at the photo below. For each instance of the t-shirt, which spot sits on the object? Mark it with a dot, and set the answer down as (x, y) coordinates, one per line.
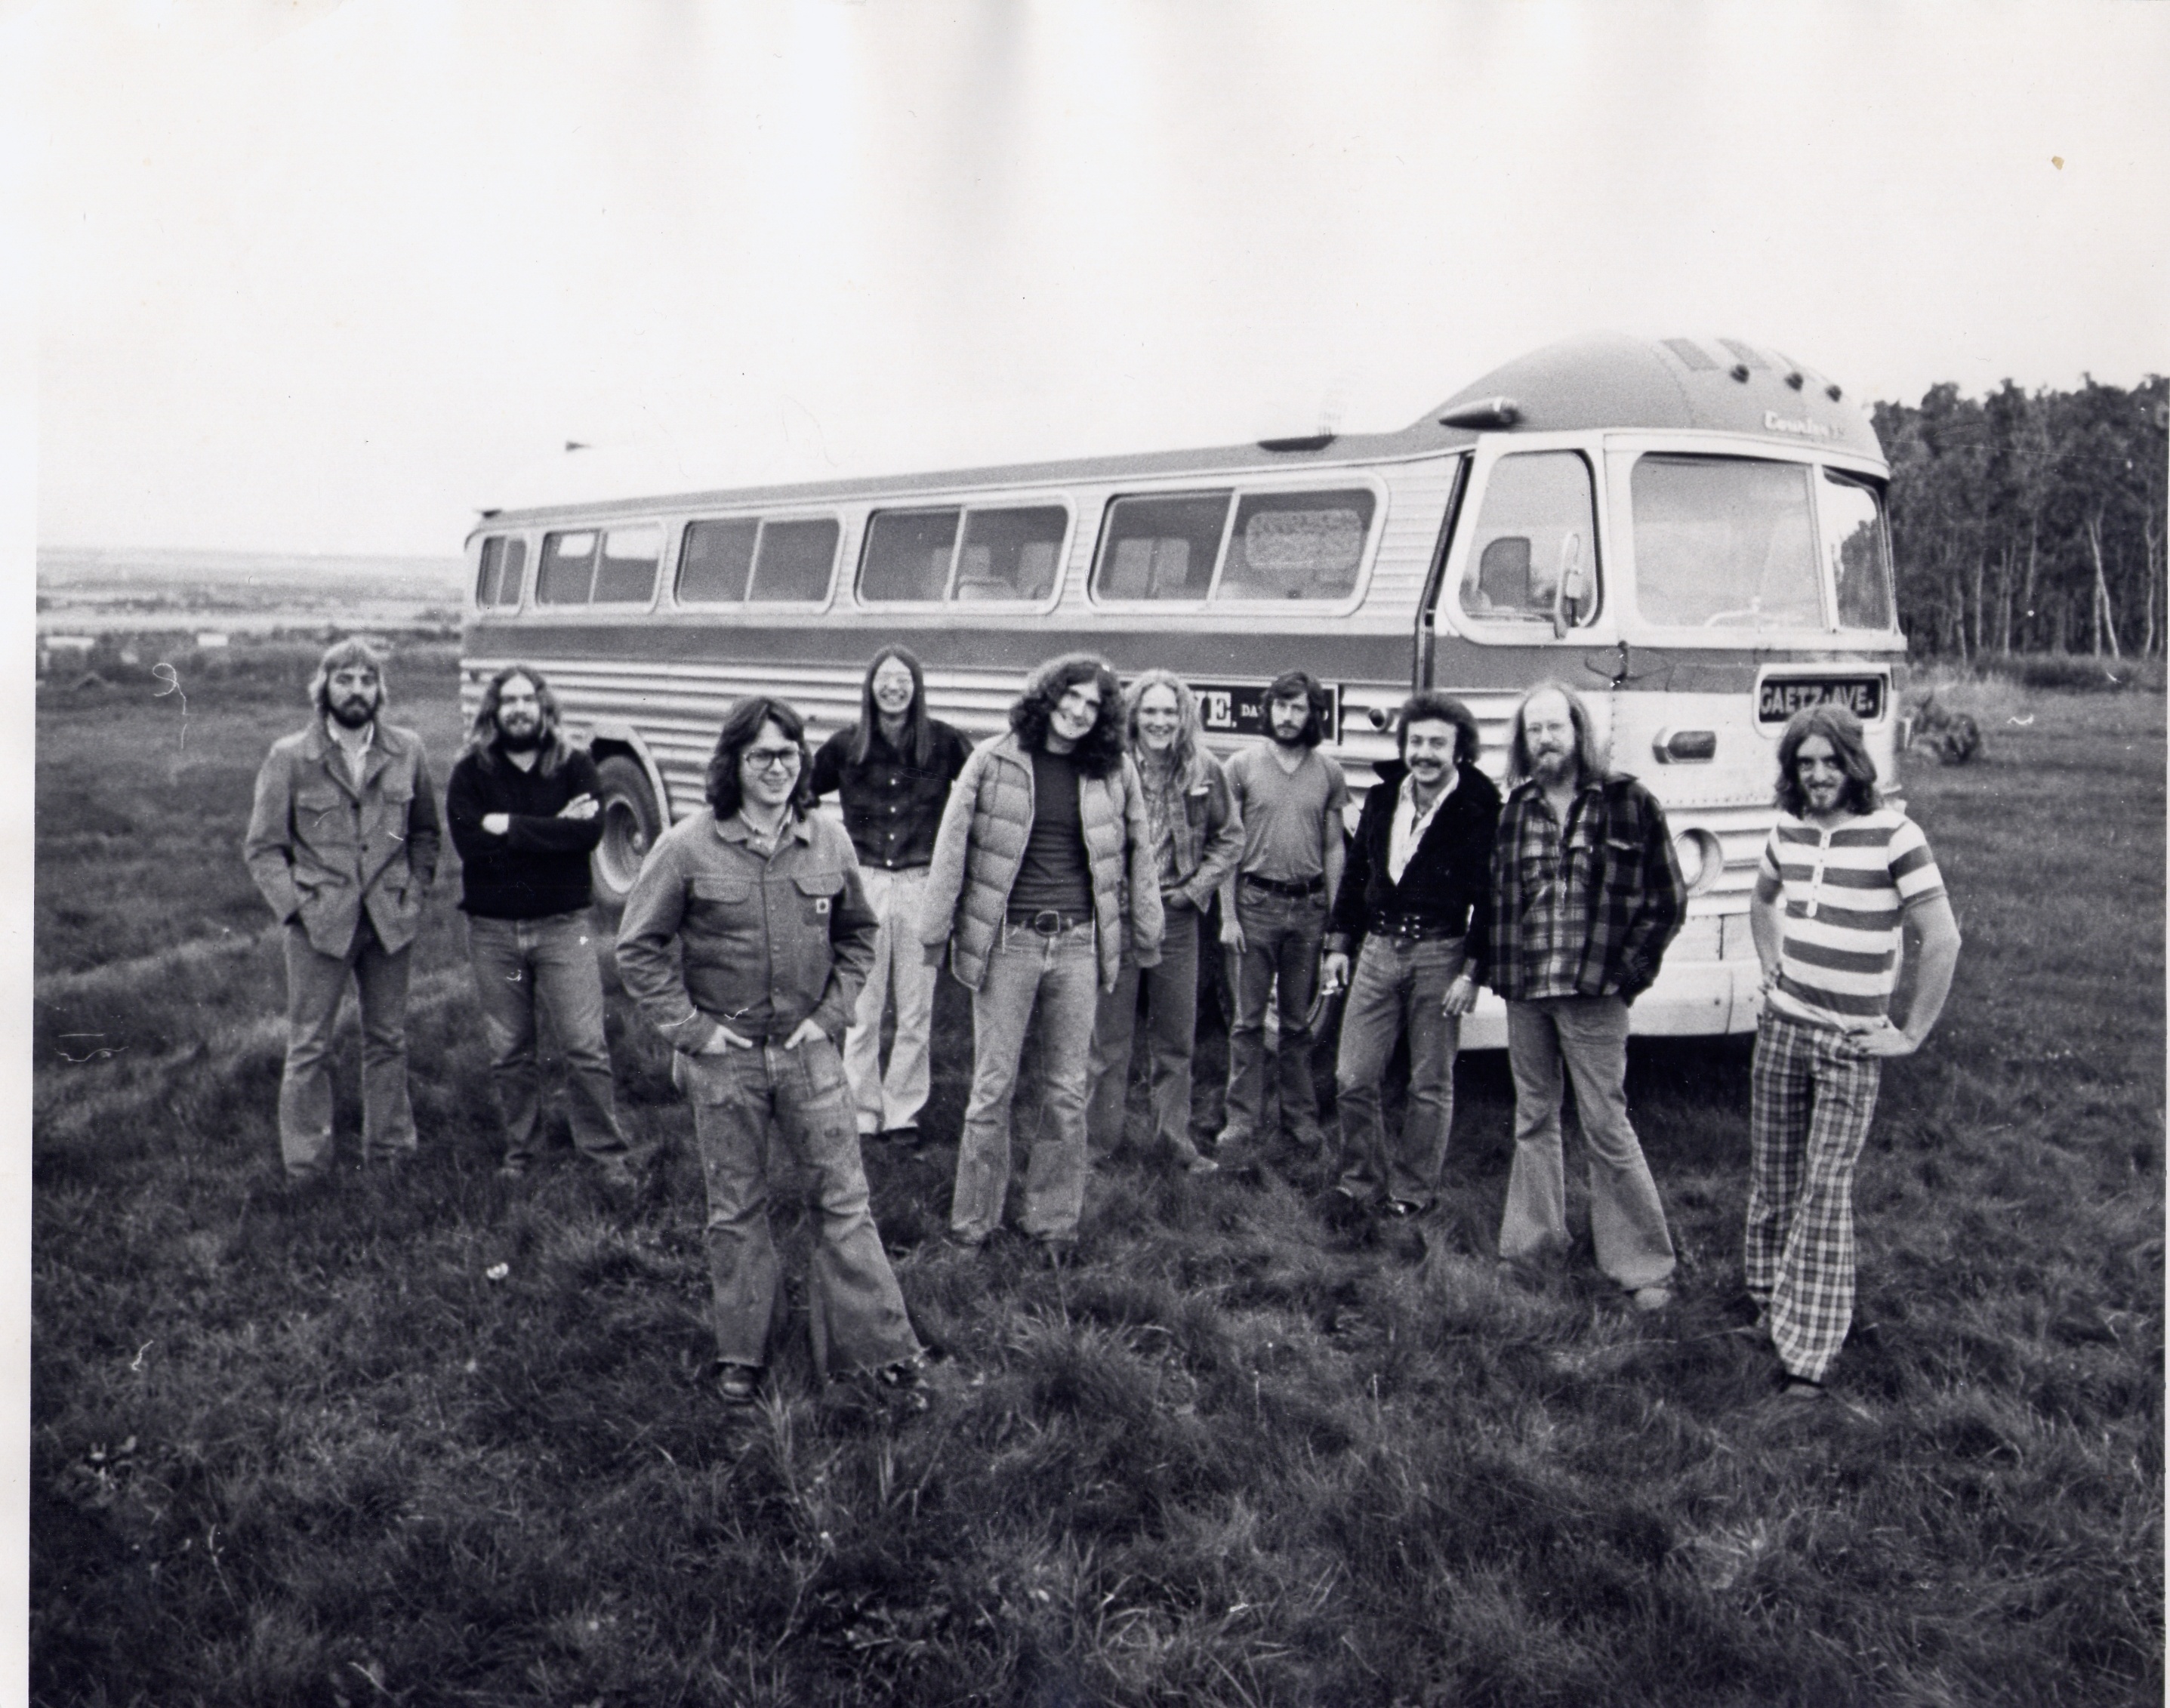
(1284, 811)
(1054, 873)
(1846, 890)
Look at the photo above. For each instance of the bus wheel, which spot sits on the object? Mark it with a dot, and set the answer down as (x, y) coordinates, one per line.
(631, 824)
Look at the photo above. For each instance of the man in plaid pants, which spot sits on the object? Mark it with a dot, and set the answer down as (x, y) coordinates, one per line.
(1843, 878)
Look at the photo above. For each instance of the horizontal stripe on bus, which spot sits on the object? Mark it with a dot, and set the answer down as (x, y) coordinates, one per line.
(840, 639)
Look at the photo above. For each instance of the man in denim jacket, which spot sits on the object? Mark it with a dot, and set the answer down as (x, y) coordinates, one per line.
(343, 843)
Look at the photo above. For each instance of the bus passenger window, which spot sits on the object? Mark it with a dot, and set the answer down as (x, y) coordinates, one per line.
(907, 554)
(627, 576)
(715, 561)
(566, 575)
(1859, 551)
(1160, 548)
(1725, 542)
(795, 560)
(1534, 559)
(504, 563)
(1011, 554)
(1296, 545)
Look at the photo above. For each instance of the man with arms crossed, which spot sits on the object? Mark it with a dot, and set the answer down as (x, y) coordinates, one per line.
(521, 804)
(343, 843)
(893, 769)
(1585, 896)
(1044, 862)
(1291, 798)
(1843, 876)
(1421, 862)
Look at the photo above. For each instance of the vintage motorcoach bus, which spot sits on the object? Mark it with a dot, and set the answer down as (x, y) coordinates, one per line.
(1691, 531)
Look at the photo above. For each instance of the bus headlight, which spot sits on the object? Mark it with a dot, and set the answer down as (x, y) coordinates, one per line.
(1702, 859)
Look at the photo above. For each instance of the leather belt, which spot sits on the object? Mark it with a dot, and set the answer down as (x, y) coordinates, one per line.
(1048, 922)
(1276, 887)
(1413, 930)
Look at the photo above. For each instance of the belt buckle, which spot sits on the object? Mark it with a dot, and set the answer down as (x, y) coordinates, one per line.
(1052, 926)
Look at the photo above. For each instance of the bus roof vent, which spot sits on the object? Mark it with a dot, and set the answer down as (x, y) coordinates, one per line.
(1483, 412)
(1748, 353)
(1693, 355)
(1306, 442)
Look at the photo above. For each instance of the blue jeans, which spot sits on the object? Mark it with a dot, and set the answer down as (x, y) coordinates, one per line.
(315, 983)
(520, 966)
(1396, 986)
(1170, 990)
(1050, 988)
(1281, 935)
(1589, 1036)
(855, 1311)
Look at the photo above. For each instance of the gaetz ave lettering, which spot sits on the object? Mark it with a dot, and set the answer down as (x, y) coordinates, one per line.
(1780, 697)
(1239, 709)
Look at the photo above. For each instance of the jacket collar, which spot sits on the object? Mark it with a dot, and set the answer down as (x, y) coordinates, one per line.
(734, 828)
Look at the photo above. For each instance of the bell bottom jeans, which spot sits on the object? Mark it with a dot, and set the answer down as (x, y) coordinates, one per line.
(521, 966)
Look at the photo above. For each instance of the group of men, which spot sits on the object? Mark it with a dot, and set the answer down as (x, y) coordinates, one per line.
(1065, 869)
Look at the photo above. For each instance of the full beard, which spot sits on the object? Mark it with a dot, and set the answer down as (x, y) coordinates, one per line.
(354, 713)
(520, 741)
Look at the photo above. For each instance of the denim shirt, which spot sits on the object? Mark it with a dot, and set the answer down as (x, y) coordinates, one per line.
(762, 943)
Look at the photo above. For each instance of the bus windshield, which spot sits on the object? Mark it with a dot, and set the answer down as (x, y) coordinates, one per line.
(1726, 542)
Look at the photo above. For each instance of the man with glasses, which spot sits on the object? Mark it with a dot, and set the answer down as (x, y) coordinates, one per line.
(1043, 862)
(746, 940)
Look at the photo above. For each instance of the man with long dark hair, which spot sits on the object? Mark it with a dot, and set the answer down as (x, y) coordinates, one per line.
(1291, 799)
(343, 843)
(893, 769)
(1586, 893)
(1042, 868)
(1420, 864)
(1843, 880)
(522, 810)
(746, 938)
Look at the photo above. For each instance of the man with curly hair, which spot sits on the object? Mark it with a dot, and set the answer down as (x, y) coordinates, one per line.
(1043, 866)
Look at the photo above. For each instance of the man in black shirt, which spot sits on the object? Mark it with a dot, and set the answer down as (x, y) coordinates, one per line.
(524, 816)
(893, 769)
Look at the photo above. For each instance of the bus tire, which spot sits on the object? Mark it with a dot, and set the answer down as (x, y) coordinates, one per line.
(631, 823)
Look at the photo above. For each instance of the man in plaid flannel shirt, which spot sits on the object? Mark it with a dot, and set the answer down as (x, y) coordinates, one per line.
(1585, 896)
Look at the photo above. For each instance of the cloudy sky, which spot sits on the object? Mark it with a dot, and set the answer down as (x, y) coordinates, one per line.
(328, 274)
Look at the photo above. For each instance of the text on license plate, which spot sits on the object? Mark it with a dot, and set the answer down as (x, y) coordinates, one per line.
(1780, 697)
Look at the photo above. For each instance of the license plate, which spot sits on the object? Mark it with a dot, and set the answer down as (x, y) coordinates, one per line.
(1239, 709)
(1780, 697)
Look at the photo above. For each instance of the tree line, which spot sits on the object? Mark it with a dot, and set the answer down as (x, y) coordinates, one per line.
(2028, 523)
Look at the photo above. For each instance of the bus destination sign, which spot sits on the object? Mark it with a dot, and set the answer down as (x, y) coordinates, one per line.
(1239, 709)
(1781, 696)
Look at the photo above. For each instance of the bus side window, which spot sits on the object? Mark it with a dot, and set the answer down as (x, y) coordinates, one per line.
(1296, 545)
(795, 560)
(568, 572)
(1860, 554)
(504, 565)
(1536, 559)
(627, 574)
(1011, 554)
(907, 554)
(715, 561)
(1160, 548)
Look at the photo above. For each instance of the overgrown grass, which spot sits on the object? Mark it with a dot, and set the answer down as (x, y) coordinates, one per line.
(300, 1448)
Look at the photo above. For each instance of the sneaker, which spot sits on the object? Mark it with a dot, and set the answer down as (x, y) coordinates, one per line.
(513, 1168)
(1400, 1208)
(738, 1384)
(1652, 1298)
(1799, 1390)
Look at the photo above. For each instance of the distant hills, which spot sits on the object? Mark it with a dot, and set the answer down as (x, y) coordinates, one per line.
(108, 588)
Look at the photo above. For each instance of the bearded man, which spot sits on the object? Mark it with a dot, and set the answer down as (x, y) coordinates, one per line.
(1586, 894)
(343, 843)
(524, 816)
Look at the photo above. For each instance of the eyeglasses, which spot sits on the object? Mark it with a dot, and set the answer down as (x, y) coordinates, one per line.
(770, 758)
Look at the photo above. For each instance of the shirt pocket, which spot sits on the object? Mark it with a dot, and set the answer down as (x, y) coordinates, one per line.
(818, 893)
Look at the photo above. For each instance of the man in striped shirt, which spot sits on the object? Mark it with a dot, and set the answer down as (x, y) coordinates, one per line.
(1843, 879)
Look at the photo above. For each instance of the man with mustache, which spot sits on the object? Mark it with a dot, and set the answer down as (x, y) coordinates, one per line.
(524, 816)
(343, 843)
(1585, 895)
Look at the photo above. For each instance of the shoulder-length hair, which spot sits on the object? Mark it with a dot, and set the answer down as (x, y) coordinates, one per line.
(1589, 752)
(741, 727)
(354, 649)
(552, 751)
(1190, 729)
(1293, 684)
(1100, 754)
(1430, 706)
(918, 727)
(1842, 730)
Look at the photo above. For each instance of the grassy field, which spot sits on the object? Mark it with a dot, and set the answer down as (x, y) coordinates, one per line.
(302, 1449)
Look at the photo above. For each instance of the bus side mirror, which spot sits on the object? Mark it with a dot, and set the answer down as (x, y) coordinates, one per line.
(1567, 590)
